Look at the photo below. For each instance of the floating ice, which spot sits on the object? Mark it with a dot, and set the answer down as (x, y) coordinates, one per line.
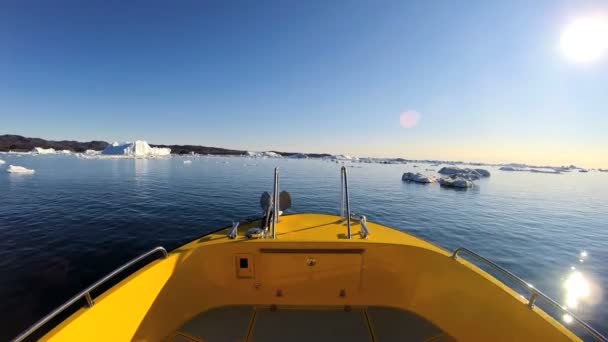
(417, 178)
(138, 148)
(188, 161)
(456, 182)
(469, 174)
(2, 162)
(40, 150)
(19, 169)
(265, 154)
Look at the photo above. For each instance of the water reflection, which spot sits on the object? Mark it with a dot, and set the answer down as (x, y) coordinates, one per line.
(580, 289)
(577, 289)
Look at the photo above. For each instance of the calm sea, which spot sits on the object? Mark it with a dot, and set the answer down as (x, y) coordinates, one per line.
(75, 220)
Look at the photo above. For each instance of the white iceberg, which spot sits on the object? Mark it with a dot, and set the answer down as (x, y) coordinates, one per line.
(188, 161)
(92, 152)
(138, 148)
(470, 174)
(511, 168)
(418, 178)
(65, 152)
(40, 150)
(19, 169)
(456, 182)
(265, 154)
(2, 162)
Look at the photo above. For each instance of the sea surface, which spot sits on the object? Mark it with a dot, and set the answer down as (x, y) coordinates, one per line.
(75, 220)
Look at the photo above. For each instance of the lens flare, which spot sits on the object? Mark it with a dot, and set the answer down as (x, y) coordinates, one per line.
(567, 318)
(409, 119)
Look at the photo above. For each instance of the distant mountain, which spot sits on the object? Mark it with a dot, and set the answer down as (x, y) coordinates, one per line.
(18, 143)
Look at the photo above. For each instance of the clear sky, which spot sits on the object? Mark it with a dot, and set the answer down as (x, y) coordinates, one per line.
(487, 79)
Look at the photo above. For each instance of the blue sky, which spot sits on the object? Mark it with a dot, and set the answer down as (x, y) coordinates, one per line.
(487, 77)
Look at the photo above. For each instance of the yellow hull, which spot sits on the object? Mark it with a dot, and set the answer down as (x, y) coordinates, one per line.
(311, 264)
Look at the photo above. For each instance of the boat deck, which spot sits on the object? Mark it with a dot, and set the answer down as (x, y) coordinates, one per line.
(360, 324)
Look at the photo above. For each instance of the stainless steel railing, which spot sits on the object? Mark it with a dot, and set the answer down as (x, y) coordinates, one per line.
(275, 203)
(344, 201)
(86, 293)
(533, 292)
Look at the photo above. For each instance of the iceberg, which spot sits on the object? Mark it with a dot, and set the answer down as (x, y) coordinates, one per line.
(456, 182)
(19, 169)
(188, 161)
(2, 162)
(511, 168)
(555, 172)
(417, 178)
(40, 150)
(139, 148)
(265, 154)
(469, 174)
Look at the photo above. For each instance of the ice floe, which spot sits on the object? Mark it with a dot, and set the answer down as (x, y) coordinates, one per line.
(188, 161)
(417, 178)
(139, 148)
(264, 154)
(545, 171)
(19, 169)
(466, 173)
(2, 162)
(456, 182)
(511, 168)
(40, 150)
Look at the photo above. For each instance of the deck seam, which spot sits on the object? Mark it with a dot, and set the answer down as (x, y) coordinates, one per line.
(251, 325)
(369, 326)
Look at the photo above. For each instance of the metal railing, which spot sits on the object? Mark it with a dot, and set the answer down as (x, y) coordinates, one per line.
(275, 203)
(533, 292)
(86, 294)
(345, 201)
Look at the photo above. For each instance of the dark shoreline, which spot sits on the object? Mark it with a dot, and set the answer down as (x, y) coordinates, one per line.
(17, 143)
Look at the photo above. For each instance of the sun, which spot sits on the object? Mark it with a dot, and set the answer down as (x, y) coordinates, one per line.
(585, 39)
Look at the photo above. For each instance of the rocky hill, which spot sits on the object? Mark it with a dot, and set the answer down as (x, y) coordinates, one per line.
(19, 143)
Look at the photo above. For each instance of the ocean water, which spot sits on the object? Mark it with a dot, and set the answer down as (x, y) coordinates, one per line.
(75, 219)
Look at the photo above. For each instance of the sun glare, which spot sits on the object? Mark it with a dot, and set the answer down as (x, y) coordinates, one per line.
(585, 40)
(577, 288)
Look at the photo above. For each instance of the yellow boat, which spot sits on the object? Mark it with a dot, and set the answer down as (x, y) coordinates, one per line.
(309, 277)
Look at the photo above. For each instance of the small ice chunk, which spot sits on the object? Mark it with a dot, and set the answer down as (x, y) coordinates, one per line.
(2, 162)
(187, 161)
(19, 169)
(417, 178)
(456, 182)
